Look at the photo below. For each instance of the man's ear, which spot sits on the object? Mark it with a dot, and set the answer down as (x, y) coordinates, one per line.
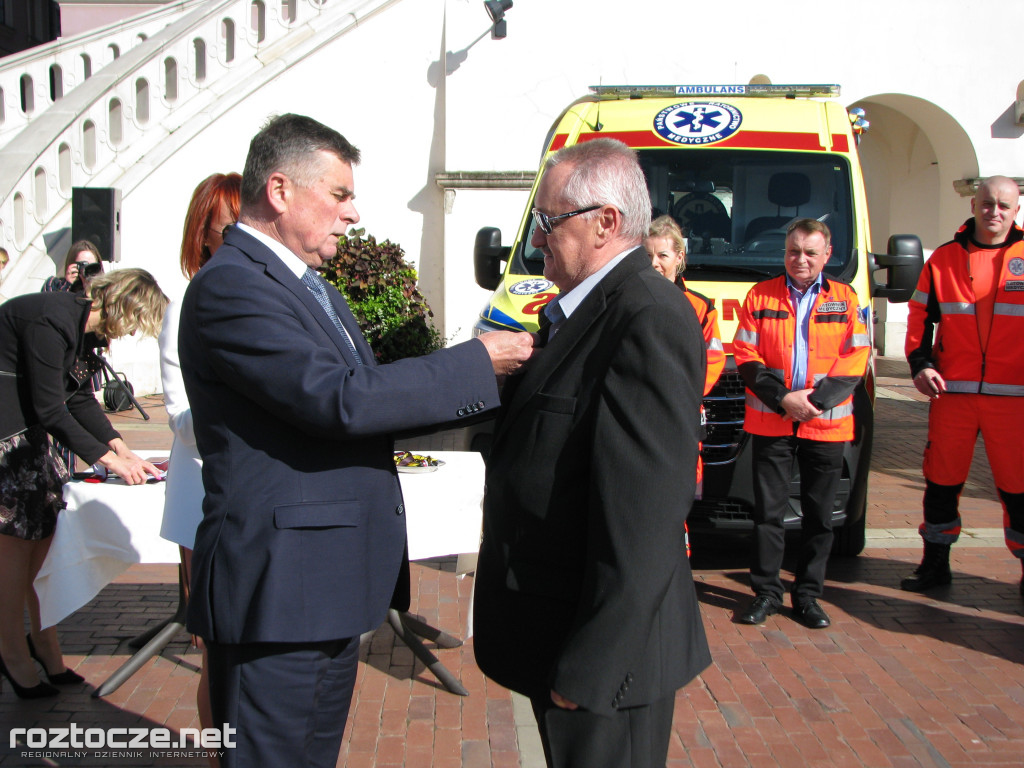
(609, 223)
(278, 191)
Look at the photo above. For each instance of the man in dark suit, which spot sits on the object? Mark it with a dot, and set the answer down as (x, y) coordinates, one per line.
(303, 532)
(584, 596)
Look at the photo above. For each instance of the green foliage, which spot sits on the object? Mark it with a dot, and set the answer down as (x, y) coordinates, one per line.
(380, 287)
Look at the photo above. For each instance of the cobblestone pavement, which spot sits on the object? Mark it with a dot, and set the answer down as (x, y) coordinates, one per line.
(898, 680)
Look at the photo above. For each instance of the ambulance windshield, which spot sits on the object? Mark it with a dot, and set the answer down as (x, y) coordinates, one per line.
(734, 207)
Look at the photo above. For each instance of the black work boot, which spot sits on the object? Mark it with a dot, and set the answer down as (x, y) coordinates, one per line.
(933, 570)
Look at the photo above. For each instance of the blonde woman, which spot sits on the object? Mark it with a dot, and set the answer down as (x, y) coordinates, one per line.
(45, 389)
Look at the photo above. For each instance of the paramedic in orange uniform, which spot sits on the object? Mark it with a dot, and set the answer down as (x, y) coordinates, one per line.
(801, 347)
(972, 368)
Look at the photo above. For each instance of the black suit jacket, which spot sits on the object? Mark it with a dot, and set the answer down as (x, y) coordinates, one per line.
(303, 529)
(583, 584)
(41, 337)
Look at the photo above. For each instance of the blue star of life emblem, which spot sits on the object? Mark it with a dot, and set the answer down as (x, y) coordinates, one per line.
(697, 122)
(530, 287)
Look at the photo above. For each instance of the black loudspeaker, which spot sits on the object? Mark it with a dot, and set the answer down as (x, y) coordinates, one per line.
(96, 217)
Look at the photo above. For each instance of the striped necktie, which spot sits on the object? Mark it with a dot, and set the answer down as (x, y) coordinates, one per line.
(316, 287)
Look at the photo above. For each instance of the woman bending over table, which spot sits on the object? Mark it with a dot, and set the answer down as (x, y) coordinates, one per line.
(46, 366)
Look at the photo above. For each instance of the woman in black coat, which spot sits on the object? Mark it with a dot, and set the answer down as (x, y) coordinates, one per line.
(45, 389)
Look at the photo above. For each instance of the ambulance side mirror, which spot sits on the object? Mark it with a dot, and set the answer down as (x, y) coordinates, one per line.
(488, 254)
(904, 258)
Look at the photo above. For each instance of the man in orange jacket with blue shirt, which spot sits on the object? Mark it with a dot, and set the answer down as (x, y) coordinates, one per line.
(802, 347)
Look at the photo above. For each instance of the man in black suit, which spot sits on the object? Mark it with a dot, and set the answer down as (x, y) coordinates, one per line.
(584, 596)
(303, 533)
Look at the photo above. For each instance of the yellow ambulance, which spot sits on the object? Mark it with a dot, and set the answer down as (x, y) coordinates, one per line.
(733, 164)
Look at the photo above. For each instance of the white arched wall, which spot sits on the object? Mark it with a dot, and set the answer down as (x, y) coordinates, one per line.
(911, 155)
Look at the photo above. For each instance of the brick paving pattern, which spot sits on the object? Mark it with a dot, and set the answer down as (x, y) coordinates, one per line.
(899, 679)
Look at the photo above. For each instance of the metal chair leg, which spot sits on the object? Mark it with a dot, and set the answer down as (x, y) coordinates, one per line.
(403, 626)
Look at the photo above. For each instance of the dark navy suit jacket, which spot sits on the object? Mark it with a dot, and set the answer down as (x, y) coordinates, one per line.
(303, 527)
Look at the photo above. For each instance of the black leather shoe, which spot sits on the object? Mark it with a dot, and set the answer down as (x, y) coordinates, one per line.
(760, 608)
(811, 615)
(67, 677)
(933, 570)
(38, 691)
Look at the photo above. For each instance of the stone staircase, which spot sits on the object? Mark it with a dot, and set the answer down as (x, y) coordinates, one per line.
(107, 108)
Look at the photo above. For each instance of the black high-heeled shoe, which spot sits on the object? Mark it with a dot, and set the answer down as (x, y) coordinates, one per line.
(67, 677)
(35, 692)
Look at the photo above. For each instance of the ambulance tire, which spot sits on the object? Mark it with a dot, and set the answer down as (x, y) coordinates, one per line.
(849, 539)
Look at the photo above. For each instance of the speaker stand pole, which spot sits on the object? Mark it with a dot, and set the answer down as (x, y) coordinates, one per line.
(109, 373)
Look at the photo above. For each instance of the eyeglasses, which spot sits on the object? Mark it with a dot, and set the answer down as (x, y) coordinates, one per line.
(545, 222)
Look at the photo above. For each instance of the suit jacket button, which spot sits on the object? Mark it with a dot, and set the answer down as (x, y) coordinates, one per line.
(400, 509)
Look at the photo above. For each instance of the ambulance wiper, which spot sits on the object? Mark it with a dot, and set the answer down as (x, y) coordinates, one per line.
(703, 267)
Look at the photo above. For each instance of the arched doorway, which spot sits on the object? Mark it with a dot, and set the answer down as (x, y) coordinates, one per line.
(911, 155)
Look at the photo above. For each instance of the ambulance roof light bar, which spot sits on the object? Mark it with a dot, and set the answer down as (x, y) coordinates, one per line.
(782, 90)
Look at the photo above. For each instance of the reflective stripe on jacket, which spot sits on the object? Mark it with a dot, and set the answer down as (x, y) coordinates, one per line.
(708, 317)
(838, 346)
(945, 297)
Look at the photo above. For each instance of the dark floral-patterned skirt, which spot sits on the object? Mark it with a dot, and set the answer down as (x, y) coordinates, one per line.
(32, 477)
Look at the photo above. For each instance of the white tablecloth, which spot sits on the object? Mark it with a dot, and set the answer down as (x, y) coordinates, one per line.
(109, 526)
(443, 513)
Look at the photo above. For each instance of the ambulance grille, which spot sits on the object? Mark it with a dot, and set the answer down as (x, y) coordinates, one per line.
(718, 511)
(723, 409)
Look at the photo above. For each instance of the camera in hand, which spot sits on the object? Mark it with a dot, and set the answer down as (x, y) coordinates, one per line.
(87, 270)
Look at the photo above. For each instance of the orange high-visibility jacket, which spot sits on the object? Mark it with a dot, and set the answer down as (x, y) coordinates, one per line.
(945, 296)
(708, 317)
(838, 349)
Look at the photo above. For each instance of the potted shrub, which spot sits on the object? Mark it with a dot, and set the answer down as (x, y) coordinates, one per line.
(380, 286)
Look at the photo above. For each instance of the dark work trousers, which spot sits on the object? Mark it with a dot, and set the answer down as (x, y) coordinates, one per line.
(820, 465)
(288, 702)
(634, 737)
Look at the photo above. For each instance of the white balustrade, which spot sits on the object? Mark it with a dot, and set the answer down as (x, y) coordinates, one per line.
(32, 80)
(126, 88)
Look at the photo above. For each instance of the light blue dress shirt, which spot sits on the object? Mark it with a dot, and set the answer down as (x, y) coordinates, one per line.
(564, 304)
(803, 303)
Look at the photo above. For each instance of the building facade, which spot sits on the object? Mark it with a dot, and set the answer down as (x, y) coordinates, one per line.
(451, 120)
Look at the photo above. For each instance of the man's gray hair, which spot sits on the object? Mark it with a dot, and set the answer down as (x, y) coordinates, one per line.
(607, 172)
(291, 144)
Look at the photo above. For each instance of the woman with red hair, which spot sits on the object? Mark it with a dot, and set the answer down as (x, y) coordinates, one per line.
(214, 207)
